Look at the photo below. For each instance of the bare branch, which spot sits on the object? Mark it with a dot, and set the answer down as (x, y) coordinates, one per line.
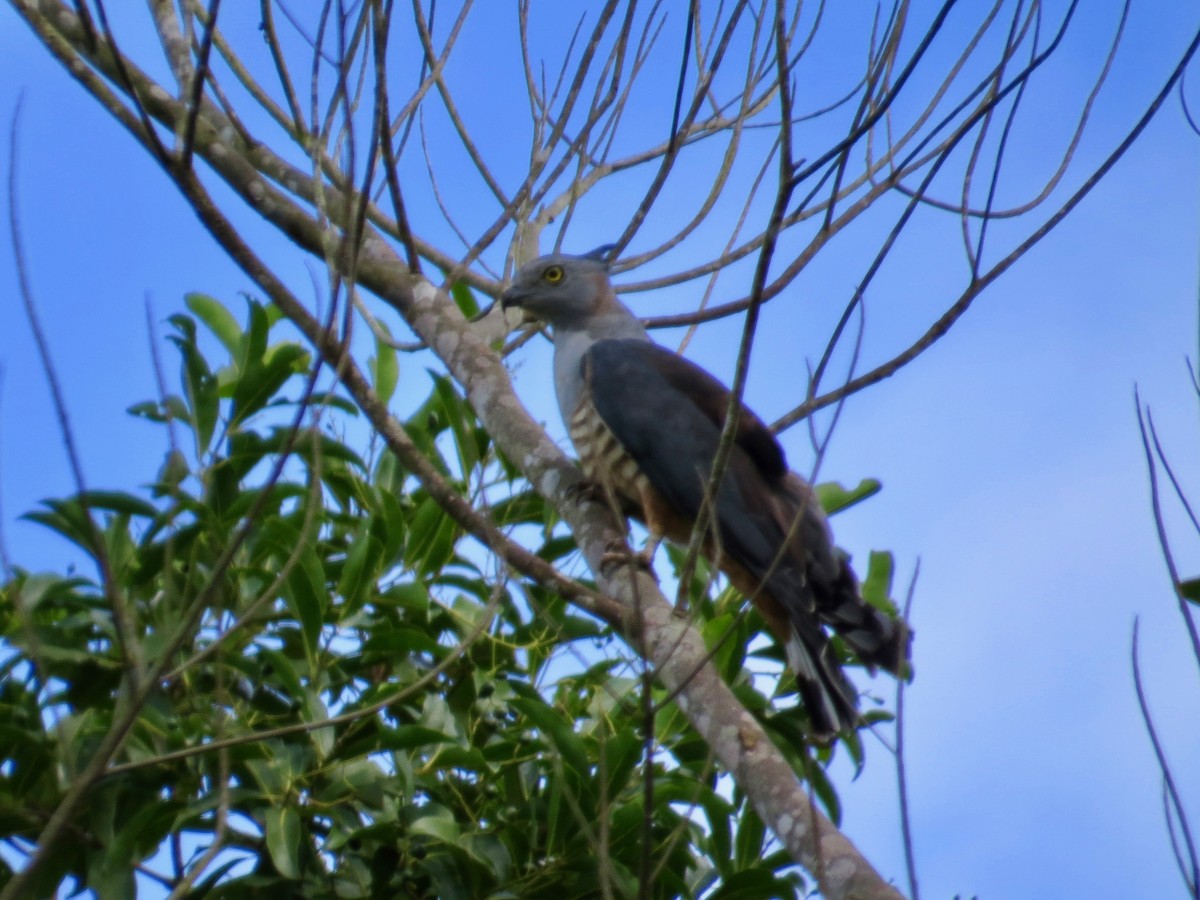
(910, 863)
(1190, 872)
(1146, 423)
(198, 75)
(127, 635)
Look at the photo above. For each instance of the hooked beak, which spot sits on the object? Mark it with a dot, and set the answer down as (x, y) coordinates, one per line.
(514, 298)
(511, 297)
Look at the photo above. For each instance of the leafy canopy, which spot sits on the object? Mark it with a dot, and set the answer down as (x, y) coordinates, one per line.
(387, 712)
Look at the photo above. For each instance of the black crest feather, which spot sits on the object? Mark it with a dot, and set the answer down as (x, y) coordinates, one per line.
(603, 253)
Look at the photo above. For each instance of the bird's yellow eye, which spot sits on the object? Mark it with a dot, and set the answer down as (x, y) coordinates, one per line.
(553, 274)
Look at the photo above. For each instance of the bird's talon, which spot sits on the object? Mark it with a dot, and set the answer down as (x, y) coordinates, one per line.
(586, 490)
(620, 554)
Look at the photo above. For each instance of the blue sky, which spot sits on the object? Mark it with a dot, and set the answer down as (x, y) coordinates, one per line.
(1009, 455)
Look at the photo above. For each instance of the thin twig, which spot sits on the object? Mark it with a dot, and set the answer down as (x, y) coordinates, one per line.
(1192, 878)
(906, 832)
(1160, 527)
(123, 618)
(199, 74)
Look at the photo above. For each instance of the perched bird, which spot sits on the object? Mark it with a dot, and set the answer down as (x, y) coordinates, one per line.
(647, 423)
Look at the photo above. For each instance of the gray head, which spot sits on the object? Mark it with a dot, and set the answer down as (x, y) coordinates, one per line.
(566, 292)
(572, 294)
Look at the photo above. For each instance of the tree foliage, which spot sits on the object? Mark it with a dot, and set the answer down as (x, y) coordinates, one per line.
(355, 699)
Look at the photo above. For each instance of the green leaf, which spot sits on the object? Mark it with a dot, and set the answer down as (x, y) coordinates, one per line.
(834, 498)
(436, 822)
(110, 876)
(316, 711)
(142, 832)
(461, 418)
(253, 346)
(271, 702)
(171, 475)
(558, 547)
(258, 384)
(877, 586)
(248, 448)
(279, 668)
(359, 572)
(273, 313)
(752, 884)
(622, 751)
(333, 401)
(385, 368)
(490, 852)
(1190, 589)
(358, 779)
(464, 299)
(118, 502)
(305, 584)
(825, 791)
(35, 588)
(413, 596)
(719, 813)
(523, 508)
(172, 408)
(69, 519)
(554, 812)
(397, 642)
(432, 535)
(199, 383)
(749, 840)
(271, 777)
(446, 873)
(283, 839)
(558, 730)
(390, 525)
(218, 318)
(410, 737)
(729, 650)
